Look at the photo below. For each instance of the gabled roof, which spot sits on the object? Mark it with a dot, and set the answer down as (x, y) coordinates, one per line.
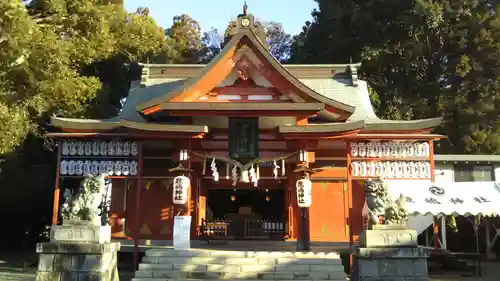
(332, 95)
(243, 39)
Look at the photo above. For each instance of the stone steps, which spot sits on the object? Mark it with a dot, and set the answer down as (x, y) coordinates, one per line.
(240, 261)
(201, 264)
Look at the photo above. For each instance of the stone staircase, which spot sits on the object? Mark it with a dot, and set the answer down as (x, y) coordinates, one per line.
(200, 264)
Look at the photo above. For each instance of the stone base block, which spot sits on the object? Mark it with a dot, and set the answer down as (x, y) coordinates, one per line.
(65, 262)
(381, 264)
(80, 234)
(384, 238)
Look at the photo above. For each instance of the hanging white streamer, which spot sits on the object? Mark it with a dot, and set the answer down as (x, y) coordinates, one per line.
(234, 175)
(253, 176)
(244, 176)
(275, 170)
(213, 167)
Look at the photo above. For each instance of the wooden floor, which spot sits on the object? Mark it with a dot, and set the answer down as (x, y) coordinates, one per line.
(267, 246)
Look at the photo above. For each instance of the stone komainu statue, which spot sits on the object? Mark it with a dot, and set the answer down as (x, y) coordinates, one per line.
(379, 208)
(85, 205)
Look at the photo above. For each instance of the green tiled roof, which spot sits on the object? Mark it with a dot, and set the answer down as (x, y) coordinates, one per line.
(137, 95)
(342, 90)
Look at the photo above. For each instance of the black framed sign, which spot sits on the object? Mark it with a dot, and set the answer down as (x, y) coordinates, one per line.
(243, 138)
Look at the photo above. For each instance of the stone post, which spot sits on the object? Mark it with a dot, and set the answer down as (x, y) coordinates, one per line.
(80, 252)
(389, 252)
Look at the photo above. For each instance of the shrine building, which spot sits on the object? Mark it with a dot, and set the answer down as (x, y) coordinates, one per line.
(245, 130)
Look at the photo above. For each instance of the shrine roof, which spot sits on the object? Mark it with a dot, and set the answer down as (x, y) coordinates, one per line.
(358, 96)
(330, 92)
(339, 89)
(237, 42)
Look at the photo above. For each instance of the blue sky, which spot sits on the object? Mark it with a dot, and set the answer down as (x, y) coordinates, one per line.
(217, 13)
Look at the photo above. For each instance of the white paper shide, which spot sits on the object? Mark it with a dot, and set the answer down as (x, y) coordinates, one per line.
(304, 193)
(180, 190)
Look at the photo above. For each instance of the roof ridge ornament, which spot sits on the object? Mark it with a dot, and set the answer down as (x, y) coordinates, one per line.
(353, 71)
(144, 75)
(245, 9)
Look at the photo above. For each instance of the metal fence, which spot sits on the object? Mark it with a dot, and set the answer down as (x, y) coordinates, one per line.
(246, 229)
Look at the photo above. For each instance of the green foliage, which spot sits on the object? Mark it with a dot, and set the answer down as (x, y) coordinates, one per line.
(423, 59)
(278, 40)
(60, 57)
(184, 42)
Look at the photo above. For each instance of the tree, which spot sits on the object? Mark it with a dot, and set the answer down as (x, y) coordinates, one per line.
(184, 42)
(423, 58)
(105, 40)
(54, 58)
(278, 40)
(329, 37)
(212, 42)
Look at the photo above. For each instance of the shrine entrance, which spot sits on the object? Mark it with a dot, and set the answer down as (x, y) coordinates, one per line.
(245, 213)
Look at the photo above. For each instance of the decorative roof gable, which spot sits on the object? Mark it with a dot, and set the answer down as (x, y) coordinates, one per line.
(245, 49)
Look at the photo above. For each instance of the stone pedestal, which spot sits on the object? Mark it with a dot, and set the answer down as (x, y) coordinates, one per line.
(76, 253)
(389, 252)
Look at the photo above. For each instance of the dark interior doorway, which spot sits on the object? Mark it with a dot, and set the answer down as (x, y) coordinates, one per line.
(246, 213)
(267, 204)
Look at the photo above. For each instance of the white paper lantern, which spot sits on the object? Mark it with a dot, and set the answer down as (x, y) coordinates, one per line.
(354, 149)
(119, 148)
(126, 168)
(118, 168)
(394, 149)
(369, 150)
(94, 168)
(64, 167)
(71, 167)
(363, 169)
(355, 169)
(126, 148)
(180, 190)
(425, 149)
(95, 148)
(362, 149)
(103, 167)
(65, 147)
(86, 167)
(134, 148)
(88, 148)
(418, 149)
(103, 148)
(133, 168)
(386, 149)
(110, 168)
(371, 168)
(111, 148)
(379, 149)
(80, 148)
(72, 148)
(304, 193)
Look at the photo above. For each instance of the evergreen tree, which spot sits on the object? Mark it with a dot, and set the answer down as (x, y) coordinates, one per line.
(423, 59)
